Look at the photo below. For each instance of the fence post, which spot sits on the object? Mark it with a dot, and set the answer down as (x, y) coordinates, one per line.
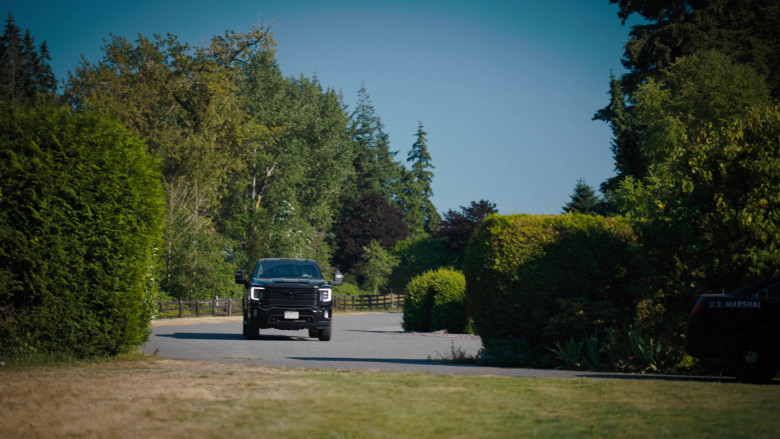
(214, 307)
(180, 310)
(230, 307)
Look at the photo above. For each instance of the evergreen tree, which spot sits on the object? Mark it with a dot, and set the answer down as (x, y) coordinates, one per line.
(44, 75)
(10, 60)
(24, 71)
(625, 141)
(420, 214)
(583, 200)
(375, 167)
(745, 30)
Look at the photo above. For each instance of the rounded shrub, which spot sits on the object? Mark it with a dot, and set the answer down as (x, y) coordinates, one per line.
(543, 279)
(418, 303)
(449, 302)
(436, 300)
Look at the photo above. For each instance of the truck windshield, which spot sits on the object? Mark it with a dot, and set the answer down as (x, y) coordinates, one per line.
(289, 269)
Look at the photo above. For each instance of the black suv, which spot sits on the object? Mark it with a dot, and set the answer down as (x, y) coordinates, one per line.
(740, 330)
(287, 294)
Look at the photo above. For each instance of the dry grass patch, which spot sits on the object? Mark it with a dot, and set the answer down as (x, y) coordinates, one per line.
(167, 398)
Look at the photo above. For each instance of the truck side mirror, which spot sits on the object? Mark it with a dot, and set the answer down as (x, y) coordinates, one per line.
(338, 279)
(239, 276)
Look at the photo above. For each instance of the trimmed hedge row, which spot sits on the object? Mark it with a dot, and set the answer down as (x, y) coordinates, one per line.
(545, 279)
(80, 213)
(436, 300)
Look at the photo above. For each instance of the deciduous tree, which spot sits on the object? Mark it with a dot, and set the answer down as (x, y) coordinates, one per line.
(368, 218)
(457, 227)
(708, 208)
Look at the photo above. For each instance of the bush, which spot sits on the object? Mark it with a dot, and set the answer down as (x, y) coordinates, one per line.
(544, 278)
(349, 289)
(80, 215)
(449, 302)
(418, 303)
(435, 301)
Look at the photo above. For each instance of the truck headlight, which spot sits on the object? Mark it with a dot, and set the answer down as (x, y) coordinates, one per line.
(256, 293)
(326, 295)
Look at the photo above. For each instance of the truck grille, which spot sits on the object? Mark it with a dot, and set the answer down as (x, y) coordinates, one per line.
(291, 297)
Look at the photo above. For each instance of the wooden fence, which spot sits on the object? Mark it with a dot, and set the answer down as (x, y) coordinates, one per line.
(199, 308)
(369, 303)
(232, 306)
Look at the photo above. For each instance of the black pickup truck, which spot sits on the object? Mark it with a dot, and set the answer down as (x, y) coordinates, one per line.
(287, 294)
(739, 330)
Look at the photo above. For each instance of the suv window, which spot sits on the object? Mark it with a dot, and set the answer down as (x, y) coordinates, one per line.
(772, 291)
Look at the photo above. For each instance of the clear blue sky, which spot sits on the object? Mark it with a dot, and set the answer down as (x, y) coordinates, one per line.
(505, 89)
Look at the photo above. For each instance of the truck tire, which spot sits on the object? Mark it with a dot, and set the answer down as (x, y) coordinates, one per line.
(251, 332)
(314, 333)
(752, 357)
(324, 334)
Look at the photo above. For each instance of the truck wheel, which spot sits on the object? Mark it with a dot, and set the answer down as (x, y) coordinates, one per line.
(251, 332)
(314, 333)
(324, 334)
(752, 357)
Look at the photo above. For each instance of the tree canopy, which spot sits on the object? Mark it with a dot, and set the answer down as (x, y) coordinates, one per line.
(364, 220)
(710, 197)
(457, 227)
(745, 30)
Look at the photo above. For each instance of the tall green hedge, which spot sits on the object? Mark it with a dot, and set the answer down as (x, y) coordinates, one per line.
(80, 214)
(545, 279)
(436, 300)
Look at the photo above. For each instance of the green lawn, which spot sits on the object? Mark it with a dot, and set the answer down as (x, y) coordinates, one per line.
(167, 398)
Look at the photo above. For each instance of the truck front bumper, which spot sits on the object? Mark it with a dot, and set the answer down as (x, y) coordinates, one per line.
(283, 318)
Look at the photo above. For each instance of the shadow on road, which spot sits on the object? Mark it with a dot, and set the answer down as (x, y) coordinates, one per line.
(202, 336)
(219, 336)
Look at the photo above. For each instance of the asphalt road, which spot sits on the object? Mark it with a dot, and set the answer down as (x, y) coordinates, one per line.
(373, 341)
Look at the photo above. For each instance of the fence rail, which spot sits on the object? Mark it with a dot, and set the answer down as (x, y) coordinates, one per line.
(199, 308)
(232, 306)
(369, 303)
